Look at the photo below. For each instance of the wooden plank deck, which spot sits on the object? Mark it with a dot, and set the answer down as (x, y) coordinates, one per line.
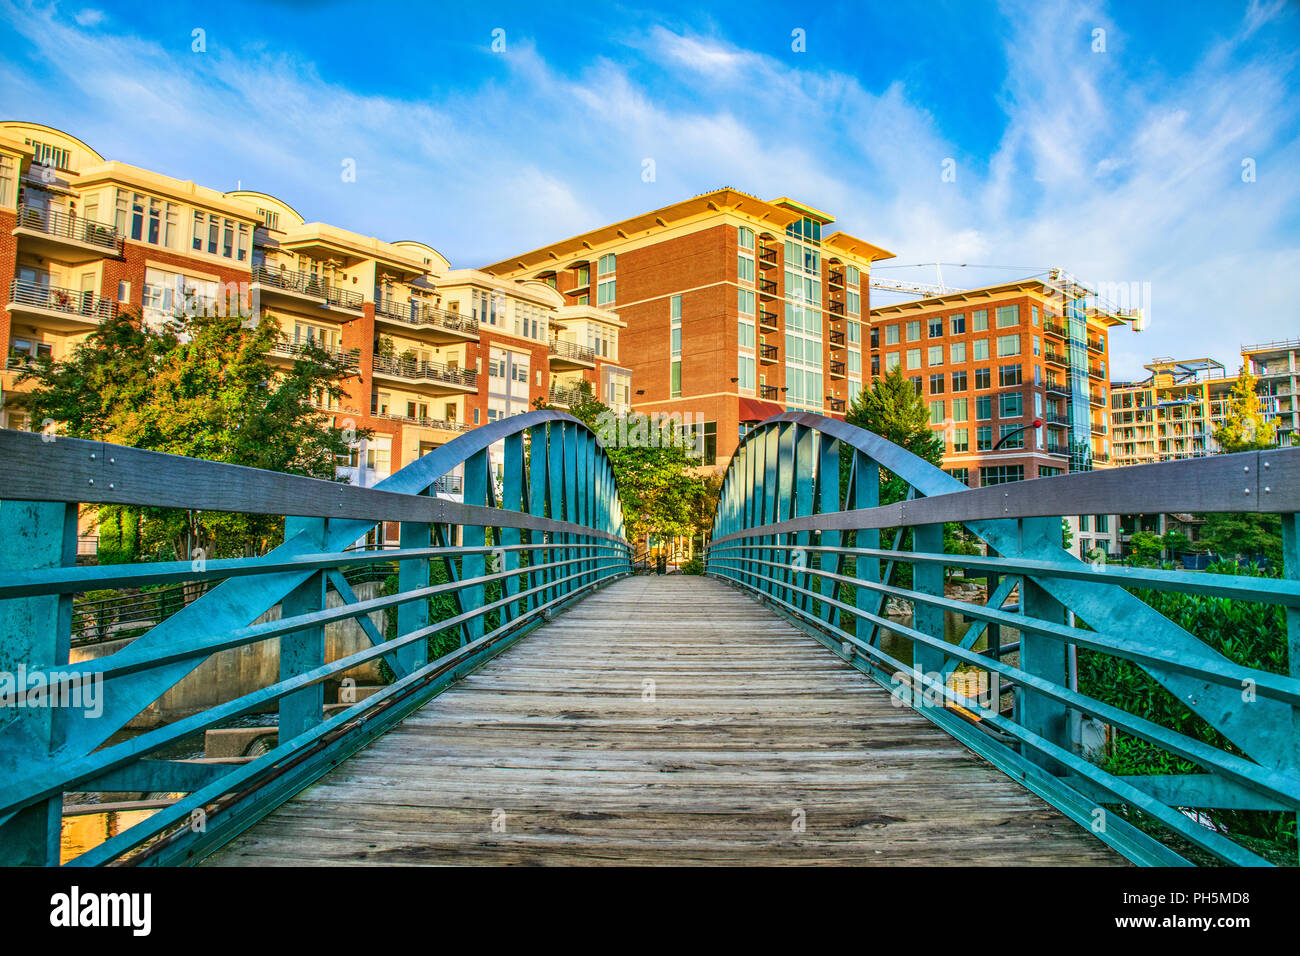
(555, 753)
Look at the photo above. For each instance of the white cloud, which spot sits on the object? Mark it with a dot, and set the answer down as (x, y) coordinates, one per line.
(90, 17)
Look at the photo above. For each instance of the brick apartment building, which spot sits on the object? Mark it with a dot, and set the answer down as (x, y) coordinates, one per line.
(433, 350)
(735, 308)
(990, 361)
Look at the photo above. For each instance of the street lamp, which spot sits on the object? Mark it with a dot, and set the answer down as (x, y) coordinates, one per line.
(1036, 423)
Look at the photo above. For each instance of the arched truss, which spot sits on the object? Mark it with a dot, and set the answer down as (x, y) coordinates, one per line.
(518, 547)
(799, 525)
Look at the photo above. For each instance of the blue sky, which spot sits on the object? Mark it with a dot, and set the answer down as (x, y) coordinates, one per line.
(1123, 165)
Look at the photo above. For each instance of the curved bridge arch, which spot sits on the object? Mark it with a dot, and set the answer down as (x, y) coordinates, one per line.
(787, 509)
(544, 532)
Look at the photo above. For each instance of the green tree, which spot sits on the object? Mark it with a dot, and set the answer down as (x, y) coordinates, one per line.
(1244, 427)
(1067, 536)
(893, 409)
(1146, 545)
(200, 386)
(1244, 534)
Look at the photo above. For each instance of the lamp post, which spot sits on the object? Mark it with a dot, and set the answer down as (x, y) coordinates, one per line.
(1036, 423)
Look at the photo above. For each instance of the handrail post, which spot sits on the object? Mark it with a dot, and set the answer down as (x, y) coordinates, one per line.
(927, 577)
(413, 573)
(866, 494)
(512, 499)
(1042, 656)
(301, 651)
(35, 633)
(474, 492)
(1291, 569)
(829, 497)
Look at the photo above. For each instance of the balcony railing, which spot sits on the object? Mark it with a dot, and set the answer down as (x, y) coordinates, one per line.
(1097, 398)
(767, 319)
(414, 369)
(1055, 448)
(350, 360)
(836, 276)
(1058, 358)
(769, 392)
(837, 369)
(54, 222)
(423, 421)
(1057, 418)
(835, 404)
(837, 307)
(1057, 387)
(836, 338)
(767, 257)
(1095, 346)
(305, 283)
(1096, 371)
(564, 396)
(767, 353)
(1098, 429)
(572, 350)
(1053, 328)
(71, 301)
(767, 287)
(417, 313)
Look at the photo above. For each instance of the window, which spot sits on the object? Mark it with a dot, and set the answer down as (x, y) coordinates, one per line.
(582, 276)
(7, 180)
(1008, 345)
(959, 381)
(218, 236)
(1103, 524)
(891, 361)
(745, 236)
(855, 364)
(875, 338)
(852, 275)
(961, 441)
(1011, 436)
(855, 333)
(914, 331)
(936, 355)
(745, 268)
(1033, 315)
(983, 438)
(979, 320)
(1083, 523)
(913, 358)
(980, 349)
(1008, 315)
(916, 383)
(891, 335)
(746, 372)
(1011, 405)
(936, 413)
(961, 474)
(745, 301)
(1008, 375)
(983, 379)
(957, 352)
(675, 344)
(958, 323)
(983, 407)
(746, 334)
(936, 384)
(606, 264)
(959, 409)
(936, 327)
(854, 303)
(1002, 474)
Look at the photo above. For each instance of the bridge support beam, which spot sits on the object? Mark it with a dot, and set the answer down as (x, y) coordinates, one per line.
(35, 633)
(412, 574)
(927, 578)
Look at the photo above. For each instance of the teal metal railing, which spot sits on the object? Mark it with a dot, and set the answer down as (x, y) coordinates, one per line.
(799, 525)
(523, 543)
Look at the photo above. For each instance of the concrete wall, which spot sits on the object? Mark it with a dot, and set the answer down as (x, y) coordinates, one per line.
(227, 675)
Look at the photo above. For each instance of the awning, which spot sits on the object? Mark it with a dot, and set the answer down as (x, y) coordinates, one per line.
(753, 410)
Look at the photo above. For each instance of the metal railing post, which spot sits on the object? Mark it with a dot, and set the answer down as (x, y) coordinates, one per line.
(1042, 656)
(35, 633)
(413, 573)
(303, 650)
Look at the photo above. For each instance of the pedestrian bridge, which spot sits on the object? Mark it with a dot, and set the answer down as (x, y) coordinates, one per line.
(769, 712)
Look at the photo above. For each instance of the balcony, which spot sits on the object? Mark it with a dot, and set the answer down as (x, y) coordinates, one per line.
(432, 324)
(836, 276)
(1053, 328)
(1096, 346)
(767, 354)
(436, 423)
(836, 339)
(558, 395)
(767, 257)
(570, 355)
(449, 485)
(350, 360)
(1096, 371)
(52, 232)
(1097, 398)
(837, 369)
(432, 376)
(769, 392)
(767, 288)
(1057, 418)
(1098, 429)
(66, 310)
(835, 404)
(302, 285)
(767, 320)
(1055, 448)
(1053, 357)
(837, 307)
(1058, 387)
